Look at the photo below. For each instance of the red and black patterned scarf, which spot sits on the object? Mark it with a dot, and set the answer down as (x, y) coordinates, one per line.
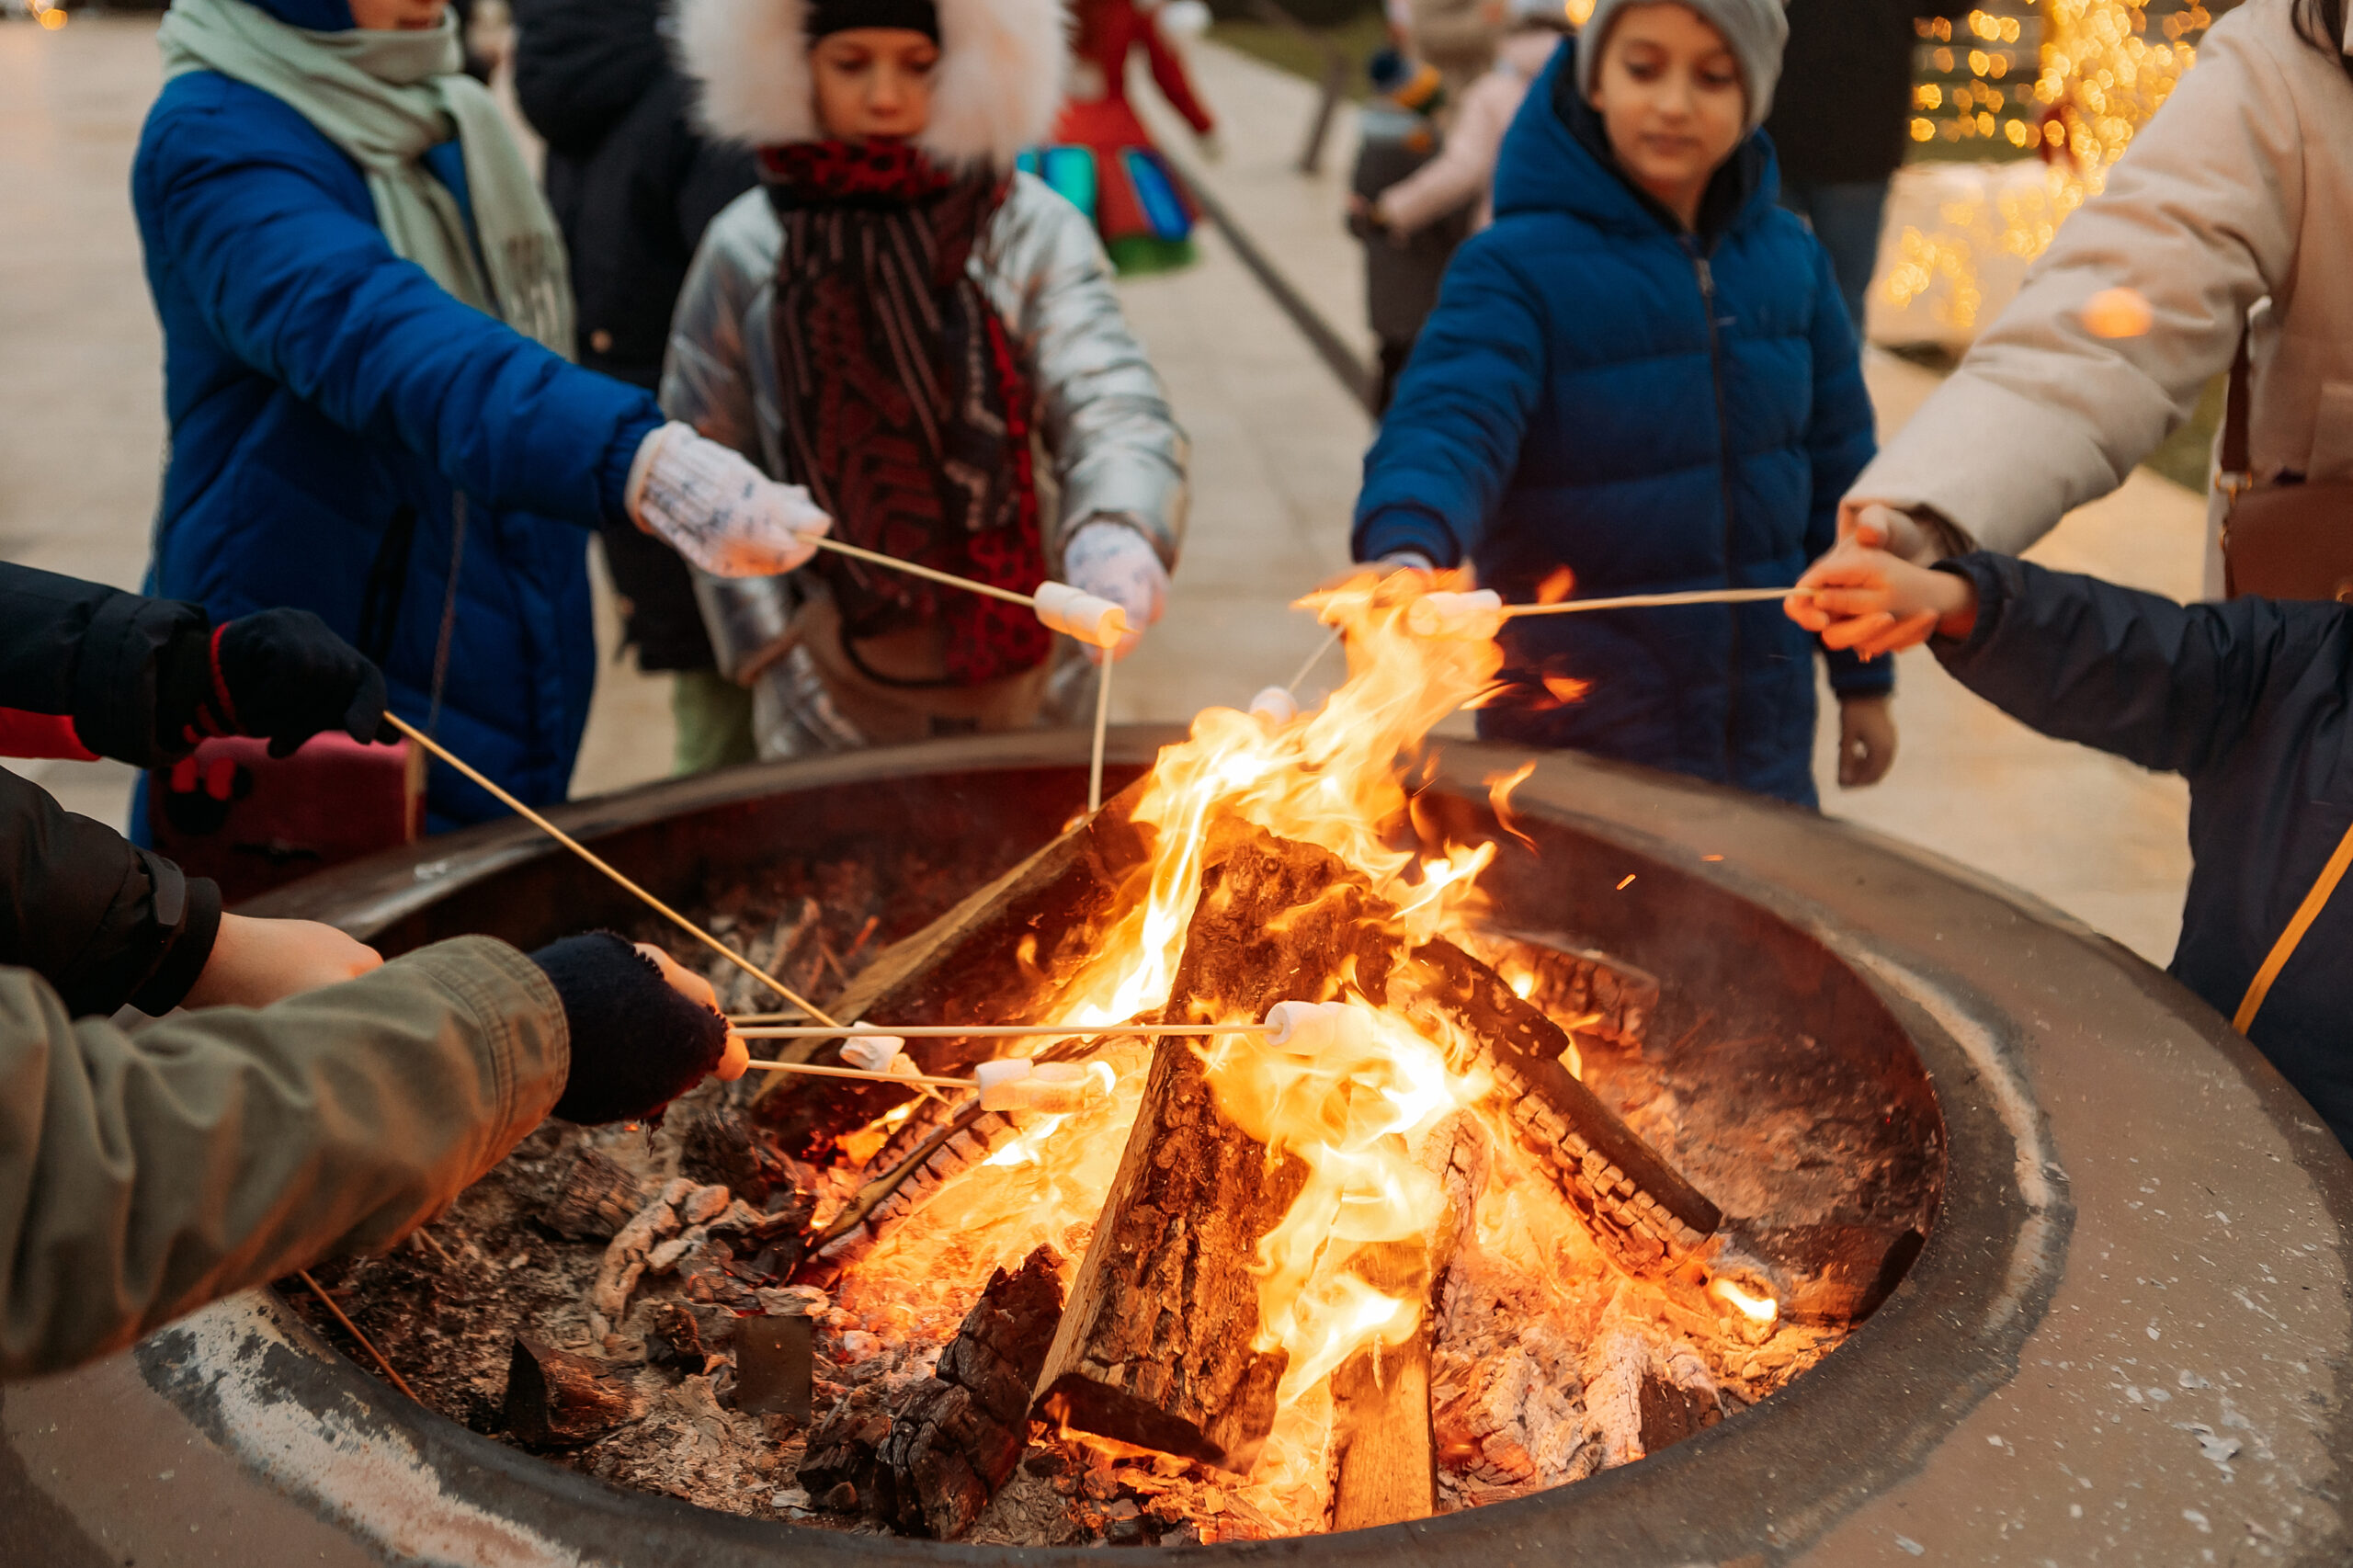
(906, 412)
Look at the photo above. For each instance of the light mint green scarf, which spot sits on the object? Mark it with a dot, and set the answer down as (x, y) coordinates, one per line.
(384, 98)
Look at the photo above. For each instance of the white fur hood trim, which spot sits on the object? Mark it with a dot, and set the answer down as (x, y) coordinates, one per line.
(998, 85)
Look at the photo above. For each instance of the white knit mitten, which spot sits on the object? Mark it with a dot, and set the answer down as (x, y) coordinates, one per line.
(1112, 561)
(713, 507)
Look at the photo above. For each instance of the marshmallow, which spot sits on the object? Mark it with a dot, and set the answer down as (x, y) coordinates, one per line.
(1312, 1028)
(1016, 1083)
(1097, 623)
(1472, 617)
(1276, 703)
(875, 1052)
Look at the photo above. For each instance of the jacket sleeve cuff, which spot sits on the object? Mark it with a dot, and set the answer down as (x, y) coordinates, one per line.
(1386, 533)
(1991, 575)
(130, 674)
(187, 909)
(1851, 675)
(619, 458)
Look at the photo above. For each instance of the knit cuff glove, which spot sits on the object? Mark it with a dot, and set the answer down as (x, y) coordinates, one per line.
(1110, 558)
(708, 503)
(637, 1042)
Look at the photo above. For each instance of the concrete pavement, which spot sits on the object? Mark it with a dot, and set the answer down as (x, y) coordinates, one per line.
(1276, 449)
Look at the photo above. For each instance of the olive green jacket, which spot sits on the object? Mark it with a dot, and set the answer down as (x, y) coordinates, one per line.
(145, 1172)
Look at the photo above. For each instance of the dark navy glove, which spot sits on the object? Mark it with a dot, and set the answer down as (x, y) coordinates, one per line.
(637, 1042)
(280, 674)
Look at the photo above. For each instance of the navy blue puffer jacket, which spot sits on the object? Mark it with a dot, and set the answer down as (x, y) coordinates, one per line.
(1655, 410)
(330, 403)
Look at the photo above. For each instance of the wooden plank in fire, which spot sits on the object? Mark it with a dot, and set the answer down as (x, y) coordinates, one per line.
(1645, 1216)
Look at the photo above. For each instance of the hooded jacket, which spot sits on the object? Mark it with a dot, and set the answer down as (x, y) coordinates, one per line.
(1110, 446)
(1654, 410)
(2249, 701)
(633, 186)
(335, 414)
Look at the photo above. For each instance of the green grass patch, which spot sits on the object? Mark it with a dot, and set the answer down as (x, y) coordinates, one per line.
(1357, 39)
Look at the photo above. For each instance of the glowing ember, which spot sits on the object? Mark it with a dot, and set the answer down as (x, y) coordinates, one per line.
(1753, 1305)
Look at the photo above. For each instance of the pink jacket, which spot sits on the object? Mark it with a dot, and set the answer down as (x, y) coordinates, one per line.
(1465, 165)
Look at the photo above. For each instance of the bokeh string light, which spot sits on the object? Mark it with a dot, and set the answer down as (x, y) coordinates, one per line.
(2064, 83)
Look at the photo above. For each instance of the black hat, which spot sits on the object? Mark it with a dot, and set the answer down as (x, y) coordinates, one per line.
(843, 15)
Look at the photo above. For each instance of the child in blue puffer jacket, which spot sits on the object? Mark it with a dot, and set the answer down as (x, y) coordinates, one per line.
(1643, 372)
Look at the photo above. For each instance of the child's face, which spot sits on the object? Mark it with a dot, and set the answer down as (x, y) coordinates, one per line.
(873, 82)
(1670, 97)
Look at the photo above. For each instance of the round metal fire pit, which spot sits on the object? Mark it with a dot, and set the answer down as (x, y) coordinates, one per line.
(2121, 1342)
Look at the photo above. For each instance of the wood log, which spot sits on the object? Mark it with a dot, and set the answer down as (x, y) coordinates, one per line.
(1834, 1273)
(960, 1434)
(993, 959)
(1381, 1398)
(596, 1198)
(1155, 1347)
(1644, 1214)
(1577, 982)
(555, 1399)
(838, 1467)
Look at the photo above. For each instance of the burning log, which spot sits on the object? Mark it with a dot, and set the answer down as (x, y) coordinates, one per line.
(555, 1399)
(1573, 982)
(839, 1466)
(961, 1433)
(1387, 1465)
(1157, 1346)
(1640, 1210)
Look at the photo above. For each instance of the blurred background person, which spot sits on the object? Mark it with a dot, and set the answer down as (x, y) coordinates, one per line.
(1397, 141)
(1139, 205)
(1840, 123)
(1462, 172)
(928, 340)
(633, 185)
(366, 312)
(1457, 37)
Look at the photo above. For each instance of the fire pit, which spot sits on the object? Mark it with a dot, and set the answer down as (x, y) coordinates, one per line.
(2123, 1324)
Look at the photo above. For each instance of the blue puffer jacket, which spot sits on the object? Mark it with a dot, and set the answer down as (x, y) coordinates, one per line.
(329, 405)
(1654, 410)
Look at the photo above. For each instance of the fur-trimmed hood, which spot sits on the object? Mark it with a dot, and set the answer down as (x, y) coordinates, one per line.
(1000, 81)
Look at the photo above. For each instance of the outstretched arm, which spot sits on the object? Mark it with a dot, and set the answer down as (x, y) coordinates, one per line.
(2166, 686)
(313, 297)
(1452, 439)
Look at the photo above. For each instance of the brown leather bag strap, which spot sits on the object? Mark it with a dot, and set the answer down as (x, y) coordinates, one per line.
(2233, 460)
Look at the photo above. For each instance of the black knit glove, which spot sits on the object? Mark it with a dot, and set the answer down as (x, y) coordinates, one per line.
(281, 673)
(637, 1042)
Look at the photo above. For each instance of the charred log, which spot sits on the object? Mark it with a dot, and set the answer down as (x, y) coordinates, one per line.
(594, 1200)
(1834, 1273)
(716, 1148)
(963, 1432)
(1644, 1215)
(555, 1399)
(1615, 998)
(842, 1455)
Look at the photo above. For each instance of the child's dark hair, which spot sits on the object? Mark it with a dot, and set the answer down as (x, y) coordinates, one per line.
(2323, 24)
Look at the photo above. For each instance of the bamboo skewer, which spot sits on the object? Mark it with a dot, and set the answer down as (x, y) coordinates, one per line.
(995, 1031)
(536, 820)
(875, 557)
(1313, 660)
(816, 1070)
(352, 1329)
(1102, 729)
(1651, 601)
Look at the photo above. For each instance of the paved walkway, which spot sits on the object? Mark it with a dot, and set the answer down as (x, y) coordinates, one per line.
(1277, 448)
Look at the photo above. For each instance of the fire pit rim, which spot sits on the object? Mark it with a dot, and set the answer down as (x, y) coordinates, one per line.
(1670, 1536)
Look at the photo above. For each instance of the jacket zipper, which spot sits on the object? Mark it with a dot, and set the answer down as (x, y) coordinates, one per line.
(1723, 464)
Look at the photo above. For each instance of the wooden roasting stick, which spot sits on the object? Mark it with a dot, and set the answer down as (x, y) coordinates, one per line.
(1061, 608)
(1477, 613)
(536, 820)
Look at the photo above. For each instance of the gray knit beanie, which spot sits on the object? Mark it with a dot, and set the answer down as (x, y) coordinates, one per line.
(1754, 29)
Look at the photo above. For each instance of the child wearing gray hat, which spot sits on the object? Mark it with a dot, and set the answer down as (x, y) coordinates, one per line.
(1642, 373)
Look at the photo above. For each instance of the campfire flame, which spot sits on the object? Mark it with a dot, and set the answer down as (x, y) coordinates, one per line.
(1361, 1118)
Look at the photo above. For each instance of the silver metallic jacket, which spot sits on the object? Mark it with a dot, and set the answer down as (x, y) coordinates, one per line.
(1111, 447)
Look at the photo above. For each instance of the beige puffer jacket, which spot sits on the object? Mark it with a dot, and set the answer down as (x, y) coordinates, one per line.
(2240, 189)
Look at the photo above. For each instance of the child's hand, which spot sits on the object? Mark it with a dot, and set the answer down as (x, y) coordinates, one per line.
(1866, 741)
(255, 963)
(1860, 597)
